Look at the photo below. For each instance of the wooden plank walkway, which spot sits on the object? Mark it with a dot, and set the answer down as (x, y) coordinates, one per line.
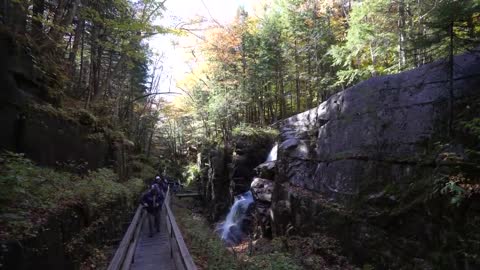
(153, 252)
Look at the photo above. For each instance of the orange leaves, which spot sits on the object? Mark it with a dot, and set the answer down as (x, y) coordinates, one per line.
(223, 45)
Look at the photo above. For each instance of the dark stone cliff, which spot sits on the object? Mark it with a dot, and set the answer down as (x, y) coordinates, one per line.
(363, 165)
(34, 122)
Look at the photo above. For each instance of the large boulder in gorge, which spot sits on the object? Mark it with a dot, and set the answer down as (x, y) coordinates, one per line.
(361, 167)
(262, 190)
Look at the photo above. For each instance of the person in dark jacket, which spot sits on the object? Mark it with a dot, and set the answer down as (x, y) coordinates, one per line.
(164, 185)
(152, 202)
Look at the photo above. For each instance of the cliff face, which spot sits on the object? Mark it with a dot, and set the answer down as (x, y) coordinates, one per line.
(361, 164)
(50, 135)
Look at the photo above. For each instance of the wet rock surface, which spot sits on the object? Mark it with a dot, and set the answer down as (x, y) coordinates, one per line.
(266, 170)
(262, 189)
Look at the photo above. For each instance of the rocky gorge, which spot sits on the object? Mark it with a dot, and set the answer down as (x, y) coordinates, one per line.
(365, 166)
(371, 167)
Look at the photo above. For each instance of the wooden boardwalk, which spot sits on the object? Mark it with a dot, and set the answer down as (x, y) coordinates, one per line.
(153, 252)
(166, 250)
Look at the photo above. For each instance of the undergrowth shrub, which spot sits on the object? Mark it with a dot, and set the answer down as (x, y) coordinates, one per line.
(30, 194)
(249, 131)
(191, 173)
(274, 261)
(472, 126)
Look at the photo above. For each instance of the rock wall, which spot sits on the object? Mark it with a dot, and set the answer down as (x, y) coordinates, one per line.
(355, 167)
(48, 135)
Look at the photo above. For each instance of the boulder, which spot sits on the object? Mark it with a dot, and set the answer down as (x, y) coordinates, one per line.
(262, 189)
(359, 167)
(266, 170)
(373, 133)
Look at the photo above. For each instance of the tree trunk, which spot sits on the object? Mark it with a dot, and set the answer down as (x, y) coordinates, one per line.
(401, 35)
(451, 65)
(282, 93)
(309, 85)
(110, 76)
(80, 75)
(297, 78)
(76, 43)
(95, 64)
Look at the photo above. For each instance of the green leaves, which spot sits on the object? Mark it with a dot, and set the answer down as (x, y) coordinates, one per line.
(28, 193)
(472, 126)
(370, 47)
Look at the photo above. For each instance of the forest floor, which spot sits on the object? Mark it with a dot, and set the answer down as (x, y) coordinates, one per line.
(209, 252)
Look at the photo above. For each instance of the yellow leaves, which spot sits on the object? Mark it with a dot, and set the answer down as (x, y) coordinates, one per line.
(177, 108)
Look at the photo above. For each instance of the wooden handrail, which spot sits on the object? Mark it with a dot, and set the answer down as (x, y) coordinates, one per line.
(178, 250)
(124, 254)
(179, 253)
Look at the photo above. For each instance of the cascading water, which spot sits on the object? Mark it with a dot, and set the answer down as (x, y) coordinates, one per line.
(231, 230)
(272, 156)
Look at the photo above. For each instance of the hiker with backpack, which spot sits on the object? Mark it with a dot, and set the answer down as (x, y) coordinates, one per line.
(152, 201)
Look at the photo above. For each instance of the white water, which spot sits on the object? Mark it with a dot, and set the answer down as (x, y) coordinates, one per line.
(272, 156)
(231, 229)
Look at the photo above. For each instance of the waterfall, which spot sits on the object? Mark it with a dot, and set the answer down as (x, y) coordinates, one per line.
(231, 230)
(272, 156)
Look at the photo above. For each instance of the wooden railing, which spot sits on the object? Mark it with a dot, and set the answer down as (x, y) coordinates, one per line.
(178, 250)
(123, 257)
